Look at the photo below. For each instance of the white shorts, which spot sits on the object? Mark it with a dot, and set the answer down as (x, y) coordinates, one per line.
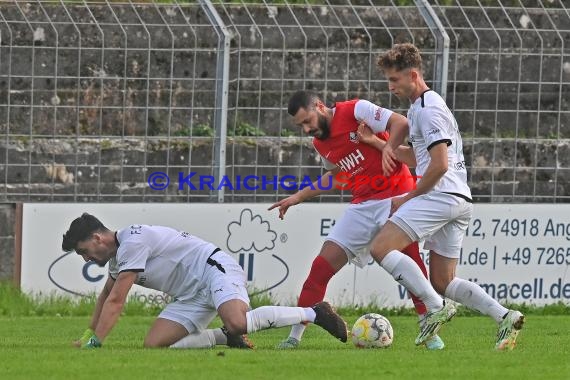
(196, 313)
(357, 227)
(438, 218)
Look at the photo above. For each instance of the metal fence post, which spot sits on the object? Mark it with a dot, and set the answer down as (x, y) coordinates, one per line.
(442, 46)
(221, 97)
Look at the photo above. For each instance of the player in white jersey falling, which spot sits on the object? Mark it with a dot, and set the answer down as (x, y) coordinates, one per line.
(202, 280)
(438, 210)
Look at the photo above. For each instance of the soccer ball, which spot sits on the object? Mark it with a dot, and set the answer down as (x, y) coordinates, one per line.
(372, 331)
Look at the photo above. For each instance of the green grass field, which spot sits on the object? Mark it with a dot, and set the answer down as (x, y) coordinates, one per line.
(36, 334)
(40, 348)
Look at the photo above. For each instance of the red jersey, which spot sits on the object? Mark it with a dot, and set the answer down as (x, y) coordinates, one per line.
(360, 162)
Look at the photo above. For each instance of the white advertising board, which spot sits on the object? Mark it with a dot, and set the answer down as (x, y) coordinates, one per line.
(517, 253)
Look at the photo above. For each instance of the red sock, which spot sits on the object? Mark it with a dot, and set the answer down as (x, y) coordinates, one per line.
(413, 251)
(315, 285)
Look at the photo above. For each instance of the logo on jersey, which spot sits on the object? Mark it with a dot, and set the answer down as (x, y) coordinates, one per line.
(378, 114)
(433, 131)
(353, 137)
(459, 165)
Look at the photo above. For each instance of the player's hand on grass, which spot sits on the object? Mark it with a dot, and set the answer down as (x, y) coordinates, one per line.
(93, 342)
(85, 339)
(284, 204)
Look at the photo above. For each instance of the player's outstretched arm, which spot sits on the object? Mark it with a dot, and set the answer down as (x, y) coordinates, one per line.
(96, 312)
(112, 308)
(100, 301)
(319, 187)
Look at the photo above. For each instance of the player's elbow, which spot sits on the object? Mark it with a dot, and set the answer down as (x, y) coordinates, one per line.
(398, 122)
(441, 170)
(437, 170)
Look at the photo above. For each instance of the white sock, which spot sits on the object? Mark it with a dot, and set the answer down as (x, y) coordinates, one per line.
(202, 339)
(421, 318)
(473, 296)
(297, 331)
(221, 338)
(266, 317)
(406, 271)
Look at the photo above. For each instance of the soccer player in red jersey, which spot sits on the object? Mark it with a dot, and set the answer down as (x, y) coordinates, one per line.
(348, 137)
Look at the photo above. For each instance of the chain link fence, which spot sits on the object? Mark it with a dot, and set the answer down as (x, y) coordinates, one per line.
(176, 102)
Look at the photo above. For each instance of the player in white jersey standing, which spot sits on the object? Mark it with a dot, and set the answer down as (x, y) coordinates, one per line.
(438, 210)
(202, 280)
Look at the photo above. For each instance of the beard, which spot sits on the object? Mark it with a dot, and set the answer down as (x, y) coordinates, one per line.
(100, 263)
(324, 129)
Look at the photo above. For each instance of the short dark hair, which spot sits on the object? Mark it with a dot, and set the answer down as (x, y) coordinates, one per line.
(301, 99)
(81, 229)
(401, 57)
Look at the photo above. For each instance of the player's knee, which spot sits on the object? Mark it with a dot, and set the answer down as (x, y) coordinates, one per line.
(233, 316)
(153, 343)
(380, 247)
(236, 327)
(378, 252)
(235, 324)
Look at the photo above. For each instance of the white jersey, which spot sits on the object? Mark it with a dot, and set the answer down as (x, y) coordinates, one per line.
(167, 260)
(431, 122)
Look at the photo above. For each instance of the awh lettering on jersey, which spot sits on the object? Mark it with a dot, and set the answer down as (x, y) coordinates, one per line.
(121, 263)
(347, 163)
